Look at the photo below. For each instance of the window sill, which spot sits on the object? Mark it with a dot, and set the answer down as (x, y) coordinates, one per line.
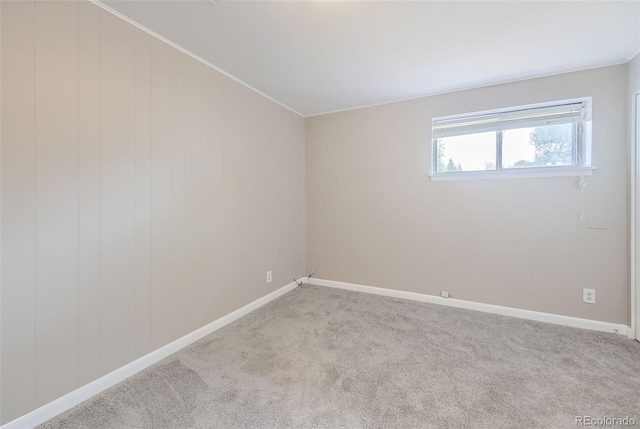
(525, 173)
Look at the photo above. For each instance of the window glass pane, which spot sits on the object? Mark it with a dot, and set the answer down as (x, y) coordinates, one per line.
(545, 146)
(471, 152)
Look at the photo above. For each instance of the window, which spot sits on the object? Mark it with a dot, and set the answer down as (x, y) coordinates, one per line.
(551, 139)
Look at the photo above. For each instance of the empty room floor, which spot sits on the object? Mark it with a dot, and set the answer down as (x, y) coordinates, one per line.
(322, 357)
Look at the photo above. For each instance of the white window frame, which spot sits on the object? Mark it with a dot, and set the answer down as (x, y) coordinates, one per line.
(582, 146)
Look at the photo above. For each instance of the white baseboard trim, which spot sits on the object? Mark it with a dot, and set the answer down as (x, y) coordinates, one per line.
(557, 319)
(71, 399)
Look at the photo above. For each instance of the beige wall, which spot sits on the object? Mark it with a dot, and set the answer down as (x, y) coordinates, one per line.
(373, 217)
(143, 196)
(633, 72)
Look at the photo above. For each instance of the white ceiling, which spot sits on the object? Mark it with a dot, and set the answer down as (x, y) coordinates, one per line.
(322, 56)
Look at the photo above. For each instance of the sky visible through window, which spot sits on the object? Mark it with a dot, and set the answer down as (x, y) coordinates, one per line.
(516, 146)
(474, 152)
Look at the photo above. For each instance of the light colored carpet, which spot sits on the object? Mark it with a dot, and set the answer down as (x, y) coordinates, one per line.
(320, 357)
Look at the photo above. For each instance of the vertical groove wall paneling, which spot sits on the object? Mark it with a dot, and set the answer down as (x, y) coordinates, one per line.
(193, 121)
(177, 182)
(89, 195)
(56, 130)
(18, 209)
(212, 197)
(143, 194)
(117, 193)
(127, 207)
(161, 190)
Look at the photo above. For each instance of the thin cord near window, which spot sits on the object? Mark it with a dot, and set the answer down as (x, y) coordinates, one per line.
(582, 182)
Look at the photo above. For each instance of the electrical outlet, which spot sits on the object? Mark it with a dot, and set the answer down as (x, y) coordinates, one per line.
(589, 296)
(445, 294)
(269, 276)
